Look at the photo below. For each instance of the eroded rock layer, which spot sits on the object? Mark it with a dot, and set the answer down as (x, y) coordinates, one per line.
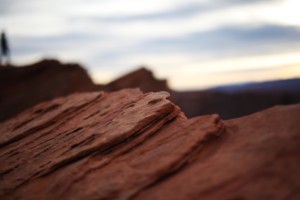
(130, 145)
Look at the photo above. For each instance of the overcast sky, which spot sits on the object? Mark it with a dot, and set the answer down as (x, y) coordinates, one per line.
(192, 43)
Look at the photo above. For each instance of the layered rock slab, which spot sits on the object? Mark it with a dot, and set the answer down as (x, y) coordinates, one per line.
(42, 140)
(258, 157)
(130, 145)
(97, 146)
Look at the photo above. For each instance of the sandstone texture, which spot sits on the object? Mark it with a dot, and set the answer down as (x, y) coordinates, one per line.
(133, 145)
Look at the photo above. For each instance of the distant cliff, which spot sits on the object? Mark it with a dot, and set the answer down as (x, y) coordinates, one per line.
(24, 87)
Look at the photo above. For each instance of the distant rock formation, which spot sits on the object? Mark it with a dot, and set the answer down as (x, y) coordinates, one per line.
(130, 145)
(141, 78)
(24, 87)
(290, 85)
(232, 104)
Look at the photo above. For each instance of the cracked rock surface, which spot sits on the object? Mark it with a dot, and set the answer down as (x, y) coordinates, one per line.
(131, 145)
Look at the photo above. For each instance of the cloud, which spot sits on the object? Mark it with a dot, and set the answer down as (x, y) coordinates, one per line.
(235, 39)
(107, 53)
(180, 10)
(6, 6)
(116, 35)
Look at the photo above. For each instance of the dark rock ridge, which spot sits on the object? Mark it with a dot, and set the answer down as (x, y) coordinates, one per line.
(291, 85)
(131, 145)
(232, 105)
(141, 78)
(24, 87)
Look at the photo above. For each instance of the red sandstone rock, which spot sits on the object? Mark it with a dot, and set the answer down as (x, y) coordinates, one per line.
(130, 145)
(256, 158)
(141, 78)
(62, 131)
(24, 87)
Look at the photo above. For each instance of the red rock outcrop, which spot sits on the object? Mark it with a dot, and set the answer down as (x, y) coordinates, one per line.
(130, 145)
(141, 78)
(24, 87)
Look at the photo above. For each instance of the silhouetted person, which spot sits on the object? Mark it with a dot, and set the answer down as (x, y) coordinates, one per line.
(4, 49)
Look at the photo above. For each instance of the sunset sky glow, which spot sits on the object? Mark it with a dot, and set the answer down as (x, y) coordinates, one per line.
(194, 44)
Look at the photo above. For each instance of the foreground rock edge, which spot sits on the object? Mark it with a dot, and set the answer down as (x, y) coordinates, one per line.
(108, 146)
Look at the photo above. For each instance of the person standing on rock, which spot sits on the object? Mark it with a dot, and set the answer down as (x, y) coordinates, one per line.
(4, 50)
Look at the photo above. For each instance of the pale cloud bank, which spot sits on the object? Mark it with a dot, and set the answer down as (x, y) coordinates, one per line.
(180, 39)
